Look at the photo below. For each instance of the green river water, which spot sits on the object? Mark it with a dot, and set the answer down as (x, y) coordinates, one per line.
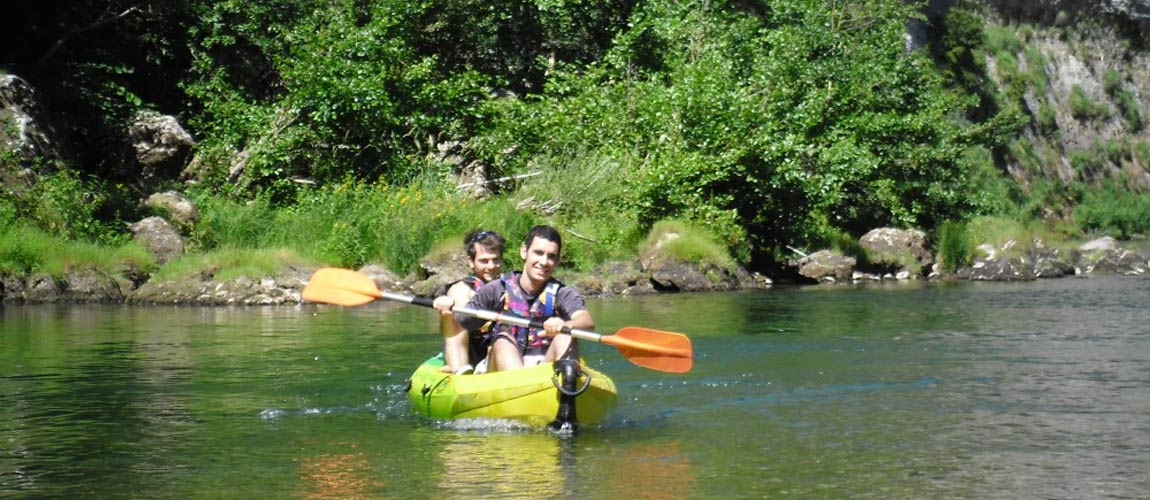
(968, 390)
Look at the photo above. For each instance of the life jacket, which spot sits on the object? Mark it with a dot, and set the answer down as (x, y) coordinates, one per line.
(472, 281)
(515, 303)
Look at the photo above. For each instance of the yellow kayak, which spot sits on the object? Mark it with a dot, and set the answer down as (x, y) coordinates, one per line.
(528, 395)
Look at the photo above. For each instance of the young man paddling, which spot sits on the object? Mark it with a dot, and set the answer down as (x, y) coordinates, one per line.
(532, 293)
(462, 347)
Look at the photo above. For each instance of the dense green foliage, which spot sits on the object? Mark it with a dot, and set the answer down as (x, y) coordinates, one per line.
(321, 124)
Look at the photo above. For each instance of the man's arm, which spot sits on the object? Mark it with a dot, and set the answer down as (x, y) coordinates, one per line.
(570, 304)
(487, 298)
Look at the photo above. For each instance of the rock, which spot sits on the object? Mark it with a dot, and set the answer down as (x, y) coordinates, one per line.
(385, 279)
(28, 130)
(42, 288)
(614, 278)
(161, 146)
(1104, 244)
(93, 286)
(987, 251)
(897, 249)
(1000, 269)
(824, 263)
(179, 208)
(1118, 261)
(283, 288)
(1051, 262)
(674, 276)
(159, 237)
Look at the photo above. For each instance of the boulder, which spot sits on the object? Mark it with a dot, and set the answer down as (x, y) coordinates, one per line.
(1103, 244)
(614, 278)
(27, 130)
(999, 269)
(176, 206)
(161, 146)
(385, 279)
(675, 276)
(439, 271)
(825, 265)
(42, 288)
(1051, 262)
(93, 286)
(1118, 261)
(897, 249)
(283, 288)
(161, 239)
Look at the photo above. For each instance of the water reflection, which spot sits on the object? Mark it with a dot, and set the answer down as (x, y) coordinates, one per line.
(339, 476)
(657, 471)
(503, 465)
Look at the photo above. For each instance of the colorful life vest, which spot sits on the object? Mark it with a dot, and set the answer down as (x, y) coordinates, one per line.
(473, 281)
(516, 304)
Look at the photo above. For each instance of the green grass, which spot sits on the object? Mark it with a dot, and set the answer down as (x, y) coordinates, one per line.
(25, 250)
(1083, 107)
(230, 263)
(352, 224)
(955, 248)
(1000, 230)
(1002, 38)
(692, 244)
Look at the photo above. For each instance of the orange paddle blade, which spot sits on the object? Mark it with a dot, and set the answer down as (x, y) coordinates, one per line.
(654, 349)
(342, 287)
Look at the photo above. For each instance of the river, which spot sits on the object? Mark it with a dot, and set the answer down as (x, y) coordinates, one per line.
(917, 390)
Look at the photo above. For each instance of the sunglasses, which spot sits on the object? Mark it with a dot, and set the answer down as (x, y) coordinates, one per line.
(480, 235)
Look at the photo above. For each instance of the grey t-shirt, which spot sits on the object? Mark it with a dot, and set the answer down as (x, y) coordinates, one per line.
(490, 298)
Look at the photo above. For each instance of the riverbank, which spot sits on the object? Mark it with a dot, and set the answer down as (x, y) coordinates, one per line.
(1010, 262)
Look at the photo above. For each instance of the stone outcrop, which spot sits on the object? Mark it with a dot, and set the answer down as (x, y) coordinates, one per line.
(77, 286)
(827, 266)
(161, 146)
(159, 237)
(25, 127)
(283, 288)
(176, 207)
(897, 250)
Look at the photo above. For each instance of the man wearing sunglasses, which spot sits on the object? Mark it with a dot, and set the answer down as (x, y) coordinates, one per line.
(462, 347)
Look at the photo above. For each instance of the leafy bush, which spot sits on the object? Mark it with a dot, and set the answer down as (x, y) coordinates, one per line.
(1110, 209)
(66, 203)
(1002, 38)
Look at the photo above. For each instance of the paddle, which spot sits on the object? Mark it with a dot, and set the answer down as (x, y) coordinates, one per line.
(654, 349)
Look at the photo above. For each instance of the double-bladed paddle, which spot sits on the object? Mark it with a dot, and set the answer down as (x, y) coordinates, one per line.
(654, 349)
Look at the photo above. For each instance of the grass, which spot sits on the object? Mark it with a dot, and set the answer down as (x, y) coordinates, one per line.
(1000, 231)
(230, 263)
(955, 248)
(690, 244)
(1083, 107)
(25, 250)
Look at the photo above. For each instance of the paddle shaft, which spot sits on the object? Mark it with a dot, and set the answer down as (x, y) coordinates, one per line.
(492, 316)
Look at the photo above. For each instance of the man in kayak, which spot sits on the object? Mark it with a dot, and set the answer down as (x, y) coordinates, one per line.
(534, 294)
(462, 347)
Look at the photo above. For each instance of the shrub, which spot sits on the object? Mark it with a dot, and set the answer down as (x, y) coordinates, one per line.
(1110, 209)
(679, 240)
(954, 245)
(1083, 107)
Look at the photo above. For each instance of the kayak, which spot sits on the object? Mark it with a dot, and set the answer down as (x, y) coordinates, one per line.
(529, 395)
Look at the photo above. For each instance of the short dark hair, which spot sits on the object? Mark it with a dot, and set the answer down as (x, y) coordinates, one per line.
(490, 240)
(546, 232)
